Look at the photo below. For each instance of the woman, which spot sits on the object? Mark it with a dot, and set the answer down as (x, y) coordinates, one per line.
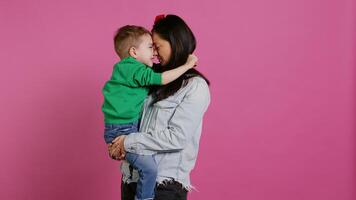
(172, 117)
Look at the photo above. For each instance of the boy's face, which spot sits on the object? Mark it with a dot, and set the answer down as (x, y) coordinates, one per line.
(144, 52)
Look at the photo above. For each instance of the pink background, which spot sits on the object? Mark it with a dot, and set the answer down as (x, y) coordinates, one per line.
(281, 124)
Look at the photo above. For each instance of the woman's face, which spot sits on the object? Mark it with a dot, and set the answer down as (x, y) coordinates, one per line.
(162, 49)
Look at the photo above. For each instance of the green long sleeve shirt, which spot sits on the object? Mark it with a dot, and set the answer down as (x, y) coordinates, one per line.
(126, 91)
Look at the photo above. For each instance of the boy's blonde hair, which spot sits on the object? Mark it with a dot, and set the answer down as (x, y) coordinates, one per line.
(126, 37)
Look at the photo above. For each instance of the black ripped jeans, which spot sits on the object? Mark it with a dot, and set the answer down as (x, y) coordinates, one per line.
(170, 190)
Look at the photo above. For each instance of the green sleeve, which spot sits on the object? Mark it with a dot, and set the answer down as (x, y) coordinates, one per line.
(137, 74)
(145, 76)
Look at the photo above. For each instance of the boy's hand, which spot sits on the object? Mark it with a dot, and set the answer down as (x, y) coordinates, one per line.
(192, 60)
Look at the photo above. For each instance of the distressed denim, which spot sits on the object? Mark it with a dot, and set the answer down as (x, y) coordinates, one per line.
(170, 190)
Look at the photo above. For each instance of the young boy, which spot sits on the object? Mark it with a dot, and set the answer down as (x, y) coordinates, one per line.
(126, 91)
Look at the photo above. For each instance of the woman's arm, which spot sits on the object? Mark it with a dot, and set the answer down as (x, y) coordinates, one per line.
(185, 120)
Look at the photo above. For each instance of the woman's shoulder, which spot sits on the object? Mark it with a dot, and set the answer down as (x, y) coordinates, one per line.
(196, 94)
(196, 82)
(194, 86)
(196, 89)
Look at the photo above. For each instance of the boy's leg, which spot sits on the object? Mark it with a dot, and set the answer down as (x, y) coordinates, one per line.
(147, 169)
(114, 130)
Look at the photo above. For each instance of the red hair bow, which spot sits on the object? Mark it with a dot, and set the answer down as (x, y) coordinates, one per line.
(159, 17)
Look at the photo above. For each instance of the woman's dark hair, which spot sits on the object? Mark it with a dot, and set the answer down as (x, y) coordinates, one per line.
(174, 30)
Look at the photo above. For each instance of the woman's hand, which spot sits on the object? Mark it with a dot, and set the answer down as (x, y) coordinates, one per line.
(117, 148)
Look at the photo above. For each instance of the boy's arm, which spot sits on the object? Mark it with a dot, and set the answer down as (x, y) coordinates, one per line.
(171, 75)
(138, 75)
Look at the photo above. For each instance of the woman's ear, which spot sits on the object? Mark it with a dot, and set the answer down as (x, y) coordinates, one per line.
(132, 52)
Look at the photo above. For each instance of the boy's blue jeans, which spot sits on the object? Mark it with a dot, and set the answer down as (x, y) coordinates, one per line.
(145, 164)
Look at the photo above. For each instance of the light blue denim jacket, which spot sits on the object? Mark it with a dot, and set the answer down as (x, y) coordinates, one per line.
(171, 129)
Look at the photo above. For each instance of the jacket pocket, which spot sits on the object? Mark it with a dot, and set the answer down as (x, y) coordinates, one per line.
(166, 104)
(165, 110)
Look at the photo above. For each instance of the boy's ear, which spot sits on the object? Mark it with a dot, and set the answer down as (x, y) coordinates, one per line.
(132, 52)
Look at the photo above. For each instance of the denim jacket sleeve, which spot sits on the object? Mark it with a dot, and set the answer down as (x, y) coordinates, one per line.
(193, 100)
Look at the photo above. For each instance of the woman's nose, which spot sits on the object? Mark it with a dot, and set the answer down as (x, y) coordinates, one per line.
(155, 52)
